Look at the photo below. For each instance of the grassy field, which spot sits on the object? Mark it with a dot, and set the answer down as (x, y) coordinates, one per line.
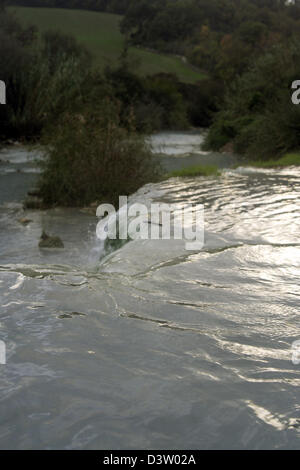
(100, 33)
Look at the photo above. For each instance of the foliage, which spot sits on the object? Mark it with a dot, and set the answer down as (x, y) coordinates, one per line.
(44, 76)
(290, 159)
(258, 115)
(91, 156)
(248, 47)
(157, 101)
(216, 35)
(40, 81)
(100, 34)
(164, 91)
(198, 170)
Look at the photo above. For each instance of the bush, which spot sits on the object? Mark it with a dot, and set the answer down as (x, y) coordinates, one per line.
(157, 100)
(258, 115)
(221, 132)
(164, 91)
(91, 157)
(201, 100)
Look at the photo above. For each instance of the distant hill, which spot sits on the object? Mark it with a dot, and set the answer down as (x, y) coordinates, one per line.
(100, 33)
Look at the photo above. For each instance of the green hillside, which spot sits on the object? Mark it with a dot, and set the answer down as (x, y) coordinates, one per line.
(100, 33)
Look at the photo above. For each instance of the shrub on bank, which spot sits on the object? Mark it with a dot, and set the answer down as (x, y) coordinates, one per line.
(91, 156)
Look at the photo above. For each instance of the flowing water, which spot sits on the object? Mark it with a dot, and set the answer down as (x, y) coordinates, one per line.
(153, 346)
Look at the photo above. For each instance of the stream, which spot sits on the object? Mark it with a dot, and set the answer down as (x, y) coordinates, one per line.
(153, 346)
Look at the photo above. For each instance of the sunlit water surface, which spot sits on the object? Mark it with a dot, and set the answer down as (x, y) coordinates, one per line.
(152, 346)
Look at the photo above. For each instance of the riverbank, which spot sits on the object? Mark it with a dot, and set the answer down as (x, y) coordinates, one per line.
(179, 154)
(290, 159)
